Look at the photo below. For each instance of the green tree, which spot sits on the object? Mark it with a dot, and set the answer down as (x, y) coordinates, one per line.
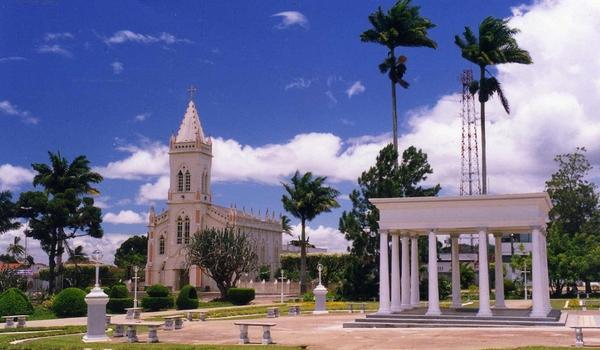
(77, 255)
(401, 26)
(132, 252)
(360, 225)
(496, 44)
(286, 226)
(16, 249)
(8, 213)
(307, 197)
(225, 255)
(64, 209)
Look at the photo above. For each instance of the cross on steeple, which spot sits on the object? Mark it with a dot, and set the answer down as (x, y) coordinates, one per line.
(191, 90)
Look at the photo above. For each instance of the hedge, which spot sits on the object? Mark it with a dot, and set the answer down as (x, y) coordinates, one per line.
(240, 296)
(187, 298)
(118, 305)
(14, 302)
(70, 302)
(119, 291)
(158, 290)
(157, 303)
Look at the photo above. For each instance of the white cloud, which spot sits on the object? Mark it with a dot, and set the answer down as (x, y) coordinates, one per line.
(6, 107)
(291, 18)
(322, 237)
(355, 89)
(331, 98)
(12, 176)
(157, 190)
(117, 67)
(12, 59)
(55, 49)
(299, 83)
(58, 36)
(141, 117)
(123, 36)
(125, 217)
(149, 159)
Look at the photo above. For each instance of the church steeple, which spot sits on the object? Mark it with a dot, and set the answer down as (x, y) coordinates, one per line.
(190, 128)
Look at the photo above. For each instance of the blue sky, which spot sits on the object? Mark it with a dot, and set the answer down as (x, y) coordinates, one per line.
(109, 79)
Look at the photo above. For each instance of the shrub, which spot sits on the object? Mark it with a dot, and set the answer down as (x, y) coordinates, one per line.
(187, 298)
(158, 290)
(118, 305)
(70, 302)
(308, 296)
(119, 291)
(240, 296)
(157, 303)
(14, 302)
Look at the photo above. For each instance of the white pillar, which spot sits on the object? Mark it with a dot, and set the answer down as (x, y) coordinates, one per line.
(384, 275)
(547, 305)
(433, 304)
(396, 301)
(414, 271)
(456, 300)
(484, 281)
(537, 283)
(405, 273)
(499, 271)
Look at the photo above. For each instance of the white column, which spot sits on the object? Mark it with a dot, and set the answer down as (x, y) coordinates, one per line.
(384, 275)
(547, 305)
(456, 300)
(396, 301)
(433, 304)
(414, 271)
(537, 283)
(405, 273)
(484, 281)
(499, 271)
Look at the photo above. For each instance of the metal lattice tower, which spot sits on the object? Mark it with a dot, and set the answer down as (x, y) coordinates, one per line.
(470, 183)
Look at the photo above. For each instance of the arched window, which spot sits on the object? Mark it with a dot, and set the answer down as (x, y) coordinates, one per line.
(188, 180)
(186, 230)
(179, 230)
(161, 245)
(180, 181)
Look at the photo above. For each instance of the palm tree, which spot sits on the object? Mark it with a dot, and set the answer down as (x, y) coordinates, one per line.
(15, 249)
(402, 26)
(286, 226)
(307, 197)
(496, 44)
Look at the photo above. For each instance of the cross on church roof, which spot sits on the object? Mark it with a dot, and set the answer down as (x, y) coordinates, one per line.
(191, 90)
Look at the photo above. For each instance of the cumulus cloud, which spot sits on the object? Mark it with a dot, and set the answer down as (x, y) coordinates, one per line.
(355, 89)
(125, 217)
(55, 49)
(149, 159)
(12, 176)
(322, 237)
(152, 191)
(291, 18)
(124, 36)
(58, 36)
(7, 108)
(117, 67)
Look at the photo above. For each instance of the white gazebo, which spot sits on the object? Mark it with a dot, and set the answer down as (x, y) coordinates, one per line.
(407, 218)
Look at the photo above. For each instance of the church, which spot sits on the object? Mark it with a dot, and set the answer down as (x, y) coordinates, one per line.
(190, 209)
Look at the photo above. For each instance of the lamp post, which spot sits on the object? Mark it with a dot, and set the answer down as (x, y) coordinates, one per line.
(135, 282)
(97, 257)
(282, 286)
(96, 302)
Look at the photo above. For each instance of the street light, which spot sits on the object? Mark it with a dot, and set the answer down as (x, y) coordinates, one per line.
(135, 279)
(97, 257)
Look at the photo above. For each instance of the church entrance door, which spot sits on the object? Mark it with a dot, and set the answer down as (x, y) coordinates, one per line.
(184, 278)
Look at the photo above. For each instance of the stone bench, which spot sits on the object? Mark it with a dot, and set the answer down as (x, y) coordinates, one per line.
(10, 321)
(201, 315)
(272, 312)
(579, 334)
(294, 310)
(362, 307)
(133, 313)
(132, 330)
(173, 322)
(266, 337)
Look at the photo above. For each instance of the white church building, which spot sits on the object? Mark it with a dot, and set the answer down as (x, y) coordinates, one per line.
(190, 209)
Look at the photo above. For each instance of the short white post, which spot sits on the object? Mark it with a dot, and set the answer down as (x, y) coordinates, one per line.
(96, 302)
(405, 273)
(537, 283)
(456, 298)
(498, 272)
(135, 278)
(414, 271)
(384, 274)
(282, 285)
(484, 281)
(433, 304)
(396, 293)
(547, 305)
(320, 293)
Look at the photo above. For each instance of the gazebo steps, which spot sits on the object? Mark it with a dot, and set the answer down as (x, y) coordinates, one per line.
(358, 324)
(553, 317)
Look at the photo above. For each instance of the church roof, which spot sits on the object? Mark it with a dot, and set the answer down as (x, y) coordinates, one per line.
(190, 125)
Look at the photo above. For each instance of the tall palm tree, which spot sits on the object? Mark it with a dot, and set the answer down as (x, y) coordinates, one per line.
(496, 44)
(286, 226)
(15, 249)
(307, 196)
(401, 26)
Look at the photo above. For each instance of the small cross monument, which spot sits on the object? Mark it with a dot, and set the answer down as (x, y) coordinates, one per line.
(320, 295)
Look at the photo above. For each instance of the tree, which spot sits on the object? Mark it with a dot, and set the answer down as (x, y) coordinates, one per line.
(225, 255)
(360, 225)
(77, 255)
(401, 26)
(286, 226)
(15, 249)
(496, 44)
(307, 197)
(132, 252)
(8, 213)
(64, 209)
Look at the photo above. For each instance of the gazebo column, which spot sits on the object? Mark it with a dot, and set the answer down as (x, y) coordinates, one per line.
(547, 305)
(396, 301)
(499, 271)
(456, 299)
(405, 272)
(384, 275)
(414, 271)
(484, 281)
(538, 309)
(433, 304)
